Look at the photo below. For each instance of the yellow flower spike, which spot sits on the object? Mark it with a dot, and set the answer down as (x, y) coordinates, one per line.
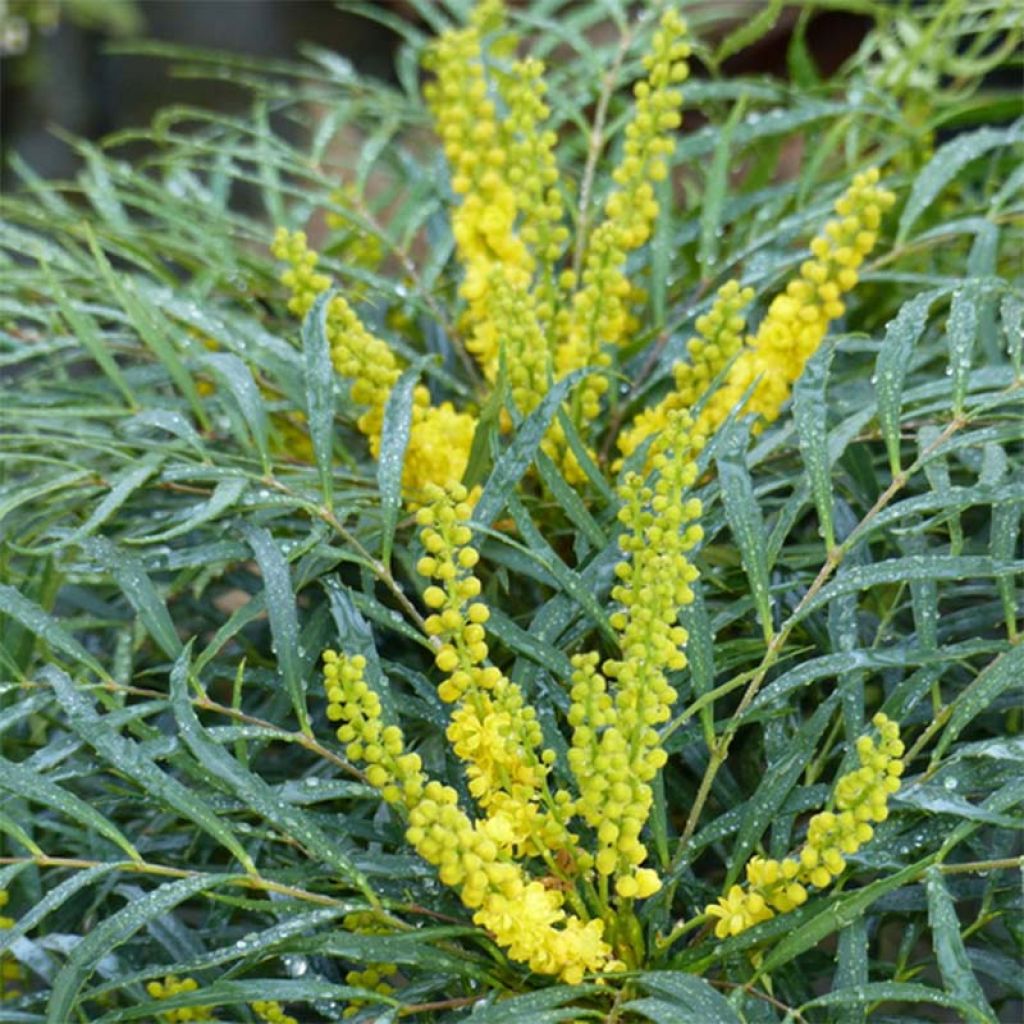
(532, 174)
(779, 886)
(12, 975)
(615, 750)
(492, 729)
(798, 319)
(440, 438)
(718, 337)
(599, 315)
(301, 278)
(524, 917)
(476, 146)
(527, 354)
(173, 986)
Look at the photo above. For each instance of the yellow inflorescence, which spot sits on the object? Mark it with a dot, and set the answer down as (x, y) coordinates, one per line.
(719, 337)
(172, 986)
(12, 976)
(440, 437)
(272, 1012)
(615, 750)
(523, 915)
(357, 355)
(860, 798)
(476, 146)
(492, 730)
(532, 174)
(798, 319)
(599, 314)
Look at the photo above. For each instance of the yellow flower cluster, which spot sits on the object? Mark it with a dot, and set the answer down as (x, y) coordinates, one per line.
(532, 174)
(719, 337)
(524, 917)
(477, 149)
(374, 976)
(272, 1012)
(860, 798)
(492, 729)
(439, 437)
(172, 986)
(599, 314)
(12, 977)
(615, 748)
(798, 319)
(357, 355)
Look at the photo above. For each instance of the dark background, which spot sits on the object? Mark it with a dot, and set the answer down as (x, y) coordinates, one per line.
(66, 76)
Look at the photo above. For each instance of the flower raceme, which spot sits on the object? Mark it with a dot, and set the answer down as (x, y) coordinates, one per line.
(439, 437)
(798, 319)
(520, 816)
(860, 798)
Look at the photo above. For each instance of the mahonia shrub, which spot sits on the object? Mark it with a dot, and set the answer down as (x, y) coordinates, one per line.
(540, 540)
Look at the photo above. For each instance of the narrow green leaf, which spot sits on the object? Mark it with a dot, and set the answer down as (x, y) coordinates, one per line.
(34, 786)
(700, 655)
(1011, 313)
(852, 969)
(690, 998)
(894, 357)
(570, 501)
(150, 331)
(51, 901)
(1000, 675)
(946, 164)
(251, 789)
(520, 452)
(962, 330)
(745, 522)
(1005, 531)
(242, 992)
(225, 495)
(546, 1007)
(488, 427)
(236, 376)
(896, 991)
(320, 381)
(284, 621)
(749, 31)
(136, 585)
(394, 440)
(122, 487)
(87, 333)
(47, 628)
(714, 192)
(113, 932)
(128, 758)
(914, 567)
(835, 913)
(810, 414)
